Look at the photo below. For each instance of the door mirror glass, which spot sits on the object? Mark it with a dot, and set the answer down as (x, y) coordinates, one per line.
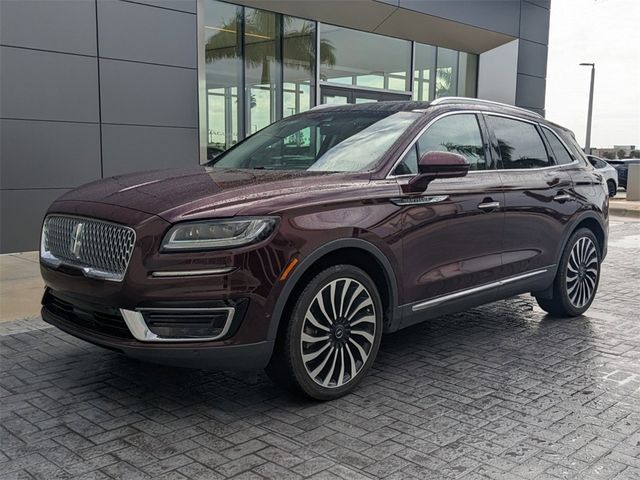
(434, 165)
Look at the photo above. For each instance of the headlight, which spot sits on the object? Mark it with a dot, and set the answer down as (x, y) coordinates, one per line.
(214, 234)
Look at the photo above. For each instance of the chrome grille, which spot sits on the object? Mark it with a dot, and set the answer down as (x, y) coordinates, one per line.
(101, 249)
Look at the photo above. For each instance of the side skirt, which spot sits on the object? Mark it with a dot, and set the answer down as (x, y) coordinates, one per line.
(422, 310)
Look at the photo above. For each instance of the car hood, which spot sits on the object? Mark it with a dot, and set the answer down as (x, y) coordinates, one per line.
(204, 192)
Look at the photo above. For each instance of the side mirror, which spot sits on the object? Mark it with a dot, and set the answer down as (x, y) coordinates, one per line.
(434, 165)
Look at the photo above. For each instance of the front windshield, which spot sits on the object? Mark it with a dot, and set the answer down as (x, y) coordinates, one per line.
(345, 141)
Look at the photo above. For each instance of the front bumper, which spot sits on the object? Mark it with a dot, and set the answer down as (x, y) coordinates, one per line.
(106, 326)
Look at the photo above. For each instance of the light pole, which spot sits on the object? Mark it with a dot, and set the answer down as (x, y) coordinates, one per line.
(587, 142)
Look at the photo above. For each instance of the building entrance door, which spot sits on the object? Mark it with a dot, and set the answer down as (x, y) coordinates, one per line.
(341, 95)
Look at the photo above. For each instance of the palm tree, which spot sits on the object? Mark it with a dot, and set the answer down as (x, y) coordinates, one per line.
(259, 31)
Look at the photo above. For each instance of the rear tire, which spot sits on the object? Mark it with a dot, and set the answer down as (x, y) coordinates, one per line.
(611, 186)
(332, 337)
(576, 282)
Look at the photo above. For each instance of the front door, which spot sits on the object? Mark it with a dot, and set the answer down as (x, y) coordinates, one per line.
(453, 232)
(341, 95)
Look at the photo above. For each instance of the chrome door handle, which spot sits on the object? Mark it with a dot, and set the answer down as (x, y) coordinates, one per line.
(489, 205)
(562, 197)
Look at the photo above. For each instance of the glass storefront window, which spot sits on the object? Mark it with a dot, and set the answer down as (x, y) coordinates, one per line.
(223, 74)
(298, 57)
(423, 77)
(467, 75)
(363, 59)
(446, 72)
(260, 68)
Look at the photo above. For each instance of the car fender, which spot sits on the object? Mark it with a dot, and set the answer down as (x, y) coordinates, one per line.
(318, 253)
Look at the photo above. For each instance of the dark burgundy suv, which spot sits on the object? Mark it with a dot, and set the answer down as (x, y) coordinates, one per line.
(296, 249)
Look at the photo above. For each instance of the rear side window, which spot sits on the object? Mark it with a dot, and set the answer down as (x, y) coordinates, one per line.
(560, 153)
(519, 143)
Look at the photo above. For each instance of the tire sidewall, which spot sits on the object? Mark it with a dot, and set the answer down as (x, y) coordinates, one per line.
(294, 331)
(561, 286)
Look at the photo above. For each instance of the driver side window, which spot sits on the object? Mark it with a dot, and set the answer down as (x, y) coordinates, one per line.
(459, 133)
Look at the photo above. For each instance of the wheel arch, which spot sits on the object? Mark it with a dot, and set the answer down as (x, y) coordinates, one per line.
(353, 251)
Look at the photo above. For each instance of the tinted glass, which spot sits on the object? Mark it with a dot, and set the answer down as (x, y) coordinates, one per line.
(298, 56)
(423, 75)
(223, 74)
(446, 73)
(320, 141)
(560, 153)
(350, 57)
(260, 67)
(519, 143)
(456, 134)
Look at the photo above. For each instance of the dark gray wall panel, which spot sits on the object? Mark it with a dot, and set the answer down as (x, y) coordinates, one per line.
(497, 15)
(532, 58)
(48, 154)
(132, 31)
(21, 214)
(541, 3)
(530, 91)
(62, 25)
(48, 86)
(534, 23)
(183, 5)
(142, 94)
(128, 149)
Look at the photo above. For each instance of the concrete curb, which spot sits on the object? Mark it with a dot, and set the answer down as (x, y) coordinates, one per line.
(624, 212)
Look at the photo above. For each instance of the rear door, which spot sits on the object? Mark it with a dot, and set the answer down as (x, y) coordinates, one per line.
(452, 233)
(539, 195)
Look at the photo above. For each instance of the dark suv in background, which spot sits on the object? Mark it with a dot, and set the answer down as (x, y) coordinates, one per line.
(299, 247)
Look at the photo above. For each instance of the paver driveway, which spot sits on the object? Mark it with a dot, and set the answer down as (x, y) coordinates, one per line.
(500, 391)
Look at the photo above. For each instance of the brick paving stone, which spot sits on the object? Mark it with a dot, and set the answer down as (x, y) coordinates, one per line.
(499, 391)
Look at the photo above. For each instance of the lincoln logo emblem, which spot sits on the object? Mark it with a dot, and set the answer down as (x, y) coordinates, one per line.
(76, 240)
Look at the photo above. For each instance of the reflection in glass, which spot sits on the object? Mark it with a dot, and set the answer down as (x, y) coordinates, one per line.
(364, 59)
(467, 75)
(345, 141)
(446, 72)
(519, 143)
(260, 68)
(425, 58)
(223, 74)
(298, 56)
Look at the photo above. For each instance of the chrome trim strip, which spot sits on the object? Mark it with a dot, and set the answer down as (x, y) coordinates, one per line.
(469, 291)
(192, 273)
(403, 201)
(139, 329)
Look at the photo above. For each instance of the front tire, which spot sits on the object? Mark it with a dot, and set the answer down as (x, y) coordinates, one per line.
(333, 335)
(611, 186)
(576, 282)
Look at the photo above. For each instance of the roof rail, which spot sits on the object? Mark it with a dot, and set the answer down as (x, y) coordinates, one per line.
(480, 101)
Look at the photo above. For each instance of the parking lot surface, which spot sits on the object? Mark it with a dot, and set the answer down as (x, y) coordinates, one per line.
(500, 391)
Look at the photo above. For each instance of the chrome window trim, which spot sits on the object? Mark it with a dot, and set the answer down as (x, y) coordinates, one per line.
(52, 261)
(138, 326)
(481, 288)
(389, 176)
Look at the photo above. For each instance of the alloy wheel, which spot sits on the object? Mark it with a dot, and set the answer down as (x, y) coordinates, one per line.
(338, 332)
(582, 272)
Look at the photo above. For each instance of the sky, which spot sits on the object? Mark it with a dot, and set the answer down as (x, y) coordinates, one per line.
(607, 33)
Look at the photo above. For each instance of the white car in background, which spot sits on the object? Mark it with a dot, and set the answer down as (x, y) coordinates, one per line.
(607, 171)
